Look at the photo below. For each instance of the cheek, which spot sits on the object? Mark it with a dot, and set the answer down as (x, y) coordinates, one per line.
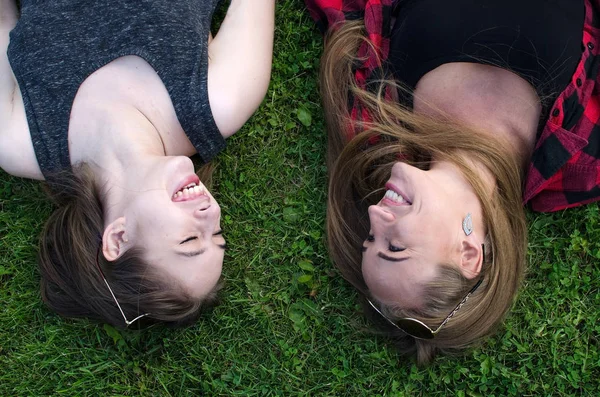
(158, 227)
(152, 224)
(148, 203)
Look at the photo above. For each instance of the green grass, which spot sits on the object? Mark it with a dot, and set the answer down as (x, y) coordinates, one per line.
(289, 325)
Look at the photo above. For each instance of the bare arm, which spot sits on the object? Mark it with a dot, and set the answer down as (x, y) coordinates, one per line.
(240, 58)
(8, 20)
(16, 150)
(8, 14)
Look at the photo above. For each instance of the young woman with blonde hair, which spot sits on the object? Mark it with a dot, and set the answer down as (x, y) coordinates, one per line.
(106, 101)
(444, 118)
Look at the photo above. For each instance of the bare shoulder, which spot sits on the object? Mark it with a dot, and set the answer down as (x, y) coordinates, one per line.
(16, 148)
(17, 156)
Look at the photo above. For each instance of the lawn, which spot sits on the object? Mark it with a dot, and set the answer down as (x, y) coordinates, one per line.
(288, 323)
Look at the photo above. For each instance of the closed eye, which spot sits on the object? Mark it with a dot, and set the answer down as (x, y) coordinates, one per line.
(393, 248)
(224, 245)
(189, 239)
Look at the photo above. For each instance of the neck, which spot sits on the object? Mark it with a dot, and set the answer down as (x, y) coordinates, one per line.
(118, 145)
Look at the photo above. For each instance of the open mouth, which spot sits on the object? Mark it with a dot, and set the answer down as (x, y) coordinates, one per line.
(190, 191)
(394, 196)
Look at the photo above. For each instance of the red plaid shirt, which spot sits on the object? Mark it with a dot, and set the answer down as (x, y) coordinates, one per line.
(565, 166)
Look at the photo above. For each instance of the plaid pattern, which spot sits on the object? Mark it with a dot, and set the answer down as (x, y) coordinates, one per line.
(565, 166)
(376, 15)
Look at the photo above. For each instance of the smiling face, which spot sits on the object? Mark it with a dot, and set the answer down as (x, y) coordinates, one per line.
(415, 228)
(171, 215)
(184, 237)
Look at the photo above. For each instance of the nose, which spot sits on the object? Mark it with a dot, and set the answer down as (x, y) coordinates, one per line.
(207, 212)
(379, 213)
(202, 210)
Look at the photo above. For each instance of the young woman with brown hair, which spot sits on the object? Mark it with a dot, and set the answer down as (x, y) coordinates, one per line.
(105, 101)
(443, 119)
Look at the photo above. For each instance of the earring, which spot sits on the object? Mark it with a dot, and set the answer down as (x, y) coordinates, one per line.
(467, 224)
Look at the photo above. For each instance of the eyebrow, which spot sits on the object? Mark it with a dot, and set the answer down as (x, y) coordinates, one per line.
(386, 257)
(391, 259)
(203, 250)
(192, 254)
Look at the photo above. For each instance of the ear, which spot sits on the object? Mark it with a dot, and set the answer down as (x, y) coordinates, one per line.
(471, 259)
(114, 240)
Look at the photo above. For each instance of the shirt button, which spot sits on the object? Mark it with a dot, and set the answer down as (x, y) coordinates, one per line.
(555, 112)
(578, 82)
(590, 46)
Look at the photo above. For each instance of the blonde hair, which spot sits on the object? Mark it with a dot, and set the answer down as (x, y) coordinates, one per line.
(359, 167)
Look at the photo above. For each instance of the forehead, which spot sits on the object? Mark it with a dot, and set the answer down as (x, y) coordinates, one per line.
(197, 274)
(397, 283)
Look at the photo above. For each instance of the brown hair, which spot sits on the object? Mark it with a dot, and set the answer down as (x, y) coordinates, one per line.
(72, 284)
(359, 168)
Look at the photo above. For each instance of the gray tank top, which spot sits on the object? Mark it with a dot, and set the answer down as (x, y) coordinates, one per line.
(57, 44)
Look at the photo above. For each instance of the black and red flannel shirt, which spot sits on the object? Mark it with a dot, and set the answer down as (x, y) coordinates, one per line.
(565, 166)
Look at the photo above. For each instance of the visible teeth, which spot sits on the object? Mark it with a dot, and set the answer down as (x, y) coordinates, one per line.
(392, 195)
(189, 191)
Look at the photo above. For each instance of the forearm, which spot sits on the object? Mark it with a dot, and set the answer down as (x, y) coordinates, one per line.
(240, 57)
